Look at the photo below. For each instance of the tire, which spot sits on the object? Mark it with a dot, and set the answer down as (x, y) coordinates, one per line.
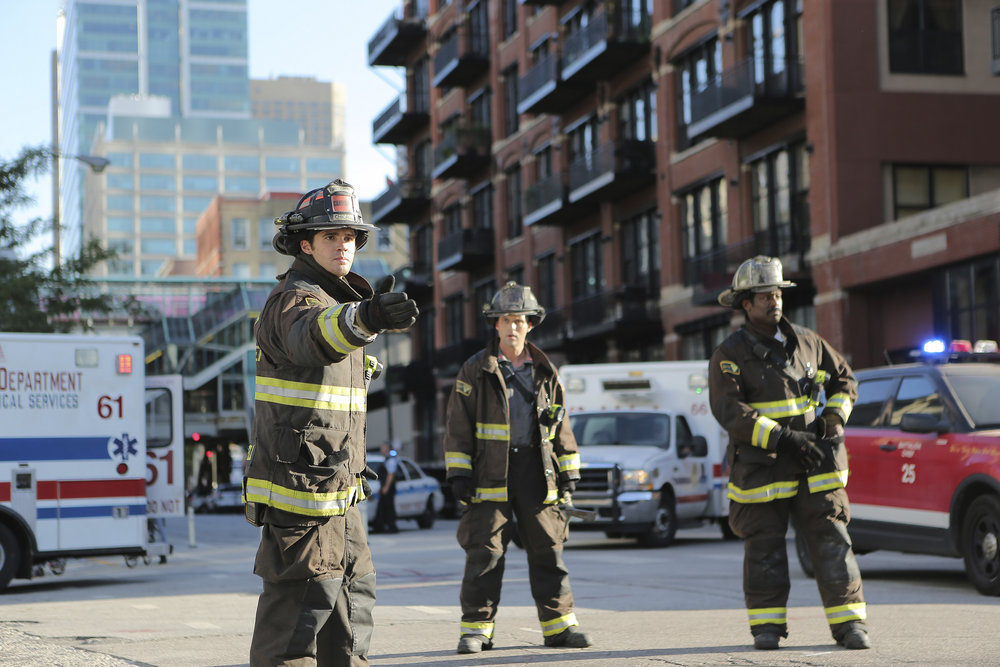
(664, 527)
(805, 561)
(980, 544)
(10, 556)
(426, 520)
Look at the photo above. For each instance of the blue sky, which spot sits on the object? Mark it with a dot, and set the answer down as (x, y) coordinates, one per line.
(327, 39)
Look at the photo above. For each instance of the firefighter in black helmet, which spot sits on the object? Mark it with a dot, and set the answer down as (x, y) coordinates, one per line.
(306, 467)
(511, 457)
(786, 462)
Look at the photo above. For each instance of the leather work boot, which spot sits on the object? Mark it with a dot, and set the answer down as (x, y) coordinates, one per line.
(473, 644)
(766, 641)
(855, 639)
(569, 638)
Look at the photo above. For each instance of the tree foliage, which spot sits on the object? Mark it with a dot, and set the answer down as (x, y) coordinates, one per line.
(35, 297)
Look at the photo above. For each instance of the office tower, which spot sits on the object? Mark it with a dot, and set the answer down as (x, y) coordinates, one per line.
(317, 106)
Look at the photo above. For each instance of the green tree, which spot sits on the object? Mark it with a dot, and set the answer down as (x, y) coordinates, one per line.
(33, 296)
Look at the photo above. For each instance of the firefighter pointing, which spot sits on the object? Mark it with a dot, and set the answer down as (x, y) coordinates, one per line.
(511, 456)
(765, 381)
(307, 462)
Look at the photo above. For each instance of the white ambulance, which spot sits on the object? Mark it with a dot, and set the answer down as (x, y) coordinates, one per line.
(91, 452)
(653, 458)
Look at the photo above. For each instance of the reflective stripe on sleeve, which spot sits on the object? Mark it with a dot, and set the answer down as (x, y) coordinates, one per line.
(308, 395)
(829, 480)
(789, 407)
(300, 502)
(762, 430)
(842, 404)
(569, 463)
(557, 625)
(775, 615)
(457, 461)
(491, 494)
(848, 612)
(763, 494)
(492, 431)
(329, 325)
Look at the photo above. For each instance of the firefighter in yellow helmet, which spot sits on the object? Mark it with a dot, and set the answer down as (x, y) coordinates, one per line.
(306, 467)
(765, 381)
(511, 457)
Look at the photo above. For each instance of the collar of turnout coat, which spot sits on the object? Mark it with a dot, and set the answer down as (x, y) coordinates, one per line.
(351, 287)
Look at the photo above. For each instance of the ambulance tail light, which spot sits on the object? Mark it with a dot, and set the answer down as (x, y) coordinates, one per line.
(124, 364)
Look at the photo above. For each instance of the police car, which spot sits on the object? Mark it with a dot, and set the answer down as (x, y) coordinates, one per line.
(924, 447)
(418, 495)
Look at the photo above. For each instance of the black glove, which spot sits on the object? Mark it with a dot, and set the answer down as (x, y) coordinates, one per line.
(462, 488)
(387, 309)
(368, 474)
(829, 435)
(566, 488)
(802, 445)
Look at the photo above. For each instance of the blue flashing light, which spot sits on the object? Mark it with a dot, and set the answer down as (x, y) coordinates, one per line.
(934, 346)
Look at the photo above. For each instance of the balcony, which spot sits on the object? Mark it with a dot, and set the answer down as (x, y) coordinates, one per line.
(550, 335)
(545, 201)
(399, 121)
(417, 280)
(745, 99)
(604, 46)
(612, 170)
(465, 249)
(463, 151)
(449, 359)
(462, 57)
(542, 90)
(399, 36)
(404, 202)
(630, 310)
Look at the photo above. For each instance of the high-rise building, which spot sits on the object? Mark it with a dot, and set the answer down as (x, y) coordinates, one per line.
(193, 53)
(317, 106)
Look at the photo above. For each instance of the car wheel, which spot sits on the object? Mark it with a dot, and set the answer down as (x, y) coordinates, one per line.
(10, 556)
(805, 560)
(980, 548)
(426, 520)
(664, 527)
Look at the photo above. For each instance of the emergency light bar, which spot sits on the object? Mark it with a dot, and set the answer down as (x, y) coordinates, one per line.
(937, 350)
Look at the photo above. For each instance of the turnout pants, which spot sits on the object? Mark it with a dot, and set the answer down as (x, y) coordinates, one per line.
(822, 519)
(484, 531)
(319, 592)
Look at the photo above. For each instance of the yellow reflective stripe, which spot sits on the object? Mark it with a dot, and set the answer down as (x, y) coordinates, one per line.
(848, 612)
(557, 625)
(762, 429)
(841, 402)
(308, 395)
(789, 407)
(569, 462)
(329, 325)
(492, 431)
(484, 629)
(495, 494)
(300, 502)
(551, 496)
(830, 480)
(776, 615)
(763, 494)
(453, 460)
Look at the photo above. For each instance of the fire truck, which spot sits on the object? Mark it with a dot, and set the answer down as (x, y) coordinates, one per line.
(91, 452)
(652, 456)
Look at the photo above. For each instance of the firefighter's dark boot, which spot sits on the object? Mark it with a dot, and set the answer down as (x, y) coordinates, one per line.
(571, 637)
(473, 644)
(766, 641)
(855, 638)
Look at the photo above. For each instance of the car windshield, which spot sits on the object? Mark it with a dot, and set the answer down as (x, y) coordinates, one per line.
(978, 393)
(621, 428)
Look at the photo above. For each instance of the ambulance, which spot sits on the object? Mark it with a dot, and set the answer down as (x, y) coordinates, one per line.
(91, 452)
(653, 458)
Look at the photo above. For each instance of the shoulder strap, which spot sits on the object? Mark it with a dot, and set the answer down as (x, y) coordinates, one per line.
(761, 350)
(513, 380)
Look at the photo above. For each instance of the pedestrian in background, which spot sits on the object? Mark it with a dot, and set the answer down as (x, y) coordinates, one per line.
(765, 381)
(511, 456)
(306, 464)
(385, 513)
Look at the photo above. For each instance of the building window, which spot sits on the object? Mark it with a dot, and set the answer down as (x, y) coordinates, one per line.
(452, 219)
(773, 35)
(482, 294)
(515, 274)
(697, 69)
(700, 338)
(511, 120)
(422, 161)
(482, 207)
(972, 300)
(640, 259)
(265, 233)
(545, 283)
(383, 240)
(925, 37)
(241, 233)
(637, 114)
(479, 27)
(241, 270)
(424, 249)
(479, 109)
(421, 83)
(515, 219)
(587, 277)
(704, 212)
(509, 17)
(454, 329)
(780, 193)
(917, 188)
